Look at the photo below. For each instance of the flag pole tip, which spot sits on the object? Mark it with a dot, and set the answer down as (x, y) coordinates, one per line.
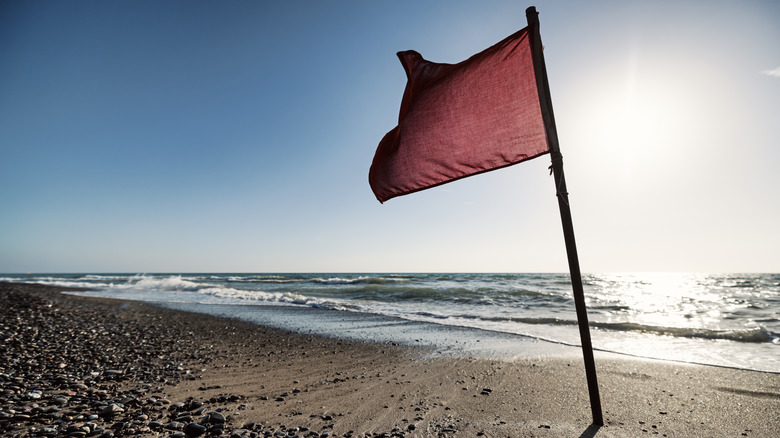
(531, 15)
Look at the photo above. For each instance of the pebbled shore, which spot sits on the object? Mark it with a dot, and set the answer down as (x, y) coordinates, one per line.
(76, 367)
(86, 367)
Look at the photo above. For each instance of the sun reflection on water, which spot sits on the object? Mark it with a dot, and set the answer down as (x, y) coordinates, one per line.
(658, 299)
(668, 311)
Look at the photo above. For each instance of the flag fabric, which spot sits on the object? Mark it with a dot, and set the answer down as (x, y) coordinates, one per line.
(458, 120)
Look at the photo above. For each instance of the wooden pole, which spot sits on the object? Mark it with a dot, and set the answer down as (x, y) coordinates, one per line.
(563, 204)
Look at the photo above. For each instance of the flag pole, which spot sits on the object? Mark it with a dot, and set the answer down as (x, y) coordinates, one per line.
(545, 102)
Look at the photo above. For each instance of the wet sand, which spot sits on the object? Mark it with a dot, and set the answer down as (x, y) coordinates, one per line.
(77, 366)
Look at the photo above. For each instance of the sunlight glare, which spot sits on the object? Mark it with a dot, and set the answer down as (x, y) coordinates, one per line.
(633, 122)
(666, 299)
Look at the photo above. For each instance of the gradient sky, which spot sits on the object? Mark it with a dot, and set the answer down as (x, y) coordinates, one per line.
(192, 136)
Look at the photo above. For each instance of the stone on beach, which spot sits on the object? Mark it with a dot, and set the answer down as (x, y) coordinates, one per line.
(111, 410)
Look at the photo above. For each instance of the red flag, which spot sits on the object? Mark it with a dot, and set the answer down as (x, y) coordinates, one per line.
(459, 120)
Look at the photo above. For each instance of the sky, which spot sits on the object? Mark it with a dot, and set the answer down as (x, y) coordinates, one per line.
(202, 136)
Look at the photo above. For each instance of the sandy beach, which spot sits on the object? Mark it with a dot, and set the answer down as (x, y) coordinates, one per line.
(77, 366)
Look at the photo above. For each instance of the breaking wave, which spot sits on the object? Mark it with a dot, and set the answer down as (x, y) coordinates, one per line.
(753, 335)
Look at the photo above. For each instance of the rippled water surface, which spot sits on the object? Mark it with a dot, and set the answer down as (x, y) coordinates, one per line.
(728, 319)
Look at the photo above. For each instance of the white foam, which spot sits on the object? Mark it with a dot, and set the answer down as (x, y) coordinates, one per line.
(50, 281)
(338, 280)
(273, 297)
(172, 283)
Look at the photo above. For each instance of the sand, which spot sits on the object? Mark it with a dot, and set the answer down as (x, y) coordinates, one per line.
(264, 381)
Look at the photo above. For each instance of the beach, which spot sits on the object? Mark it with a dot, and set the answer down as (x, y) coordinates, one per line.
(85, 366)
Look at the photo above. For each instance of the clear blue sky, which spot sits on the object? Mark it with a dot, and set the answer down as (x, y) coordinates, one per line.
(160, 136)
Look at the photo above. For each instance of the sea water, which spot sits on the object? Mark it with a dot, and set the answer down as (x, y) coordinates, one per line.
(717, 319)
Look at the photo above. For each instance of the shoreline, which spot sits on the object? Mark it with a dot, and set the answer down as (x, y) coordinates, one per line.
(497, 306)
(439, 339)
(84, 355)
(442, 340)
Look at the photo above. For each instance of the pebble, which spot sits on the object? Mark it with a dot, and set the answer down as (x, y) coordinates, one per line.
(175, 425)
(216, 417)
(111, 410)
(194, 429)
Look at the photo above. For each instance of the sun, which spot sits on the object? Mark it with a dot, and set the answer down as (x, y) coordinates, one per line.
(632, 126)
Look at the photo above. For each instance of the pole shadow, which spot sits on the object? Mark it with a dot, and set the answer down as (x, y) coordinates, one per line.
(591, 431)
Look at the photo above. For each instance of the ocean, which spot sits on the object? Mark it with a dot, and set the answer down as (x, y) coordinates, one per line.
(730, 320)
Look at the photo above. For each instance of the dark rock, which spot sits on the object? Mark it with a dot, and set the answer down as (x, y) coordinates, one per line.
(174, 425)
(194, 429)
(111, 410)
(119, 425)
(216, 418)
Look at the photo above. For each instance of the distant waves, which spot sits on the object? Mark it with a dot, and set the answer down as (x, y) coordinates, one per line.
(729, 320)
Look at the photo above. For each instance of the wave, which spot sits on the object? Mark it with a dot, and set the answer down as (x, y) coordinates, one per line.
(174, 283)
(321, 280)
(752, 335)
(178, 284)
(283, 298)
(360, 280)
(104, 277)
(59, 282)
(259, 279)
(279, 297)
(135, 282)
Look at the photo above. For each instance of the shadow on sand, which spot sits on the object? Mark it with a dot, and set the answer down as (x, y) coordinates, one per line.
(590, 432)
